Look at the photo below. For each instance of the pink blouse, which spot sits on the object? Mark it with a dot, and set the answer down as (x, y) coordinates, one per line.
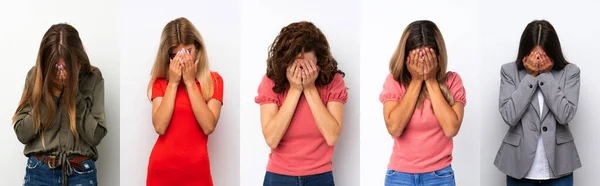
(423, 146)
(303, 149)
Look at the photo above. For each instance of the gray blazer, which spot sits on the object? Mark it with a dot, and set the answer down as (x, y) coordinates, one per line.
(520, 111)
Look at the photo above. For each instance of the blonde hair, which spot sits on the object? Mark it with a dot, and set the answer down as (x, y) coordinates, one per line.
(176, 32)
(421, 34)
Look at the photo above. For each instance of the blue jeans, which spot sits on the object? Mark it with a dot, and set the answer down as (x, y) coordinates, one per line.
(562, 181)
(39, 174)
(442, 177)
(323, 179)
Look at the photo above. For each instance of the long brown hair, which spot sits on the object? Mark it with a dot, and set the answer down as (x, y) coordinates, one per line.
(294, 39)
(541, 33)
(60, 42)
(176, 32)
(418, 34)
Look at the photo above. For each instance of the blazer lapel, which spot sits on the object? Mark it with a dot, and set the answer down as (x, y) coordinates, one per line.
(546, 108)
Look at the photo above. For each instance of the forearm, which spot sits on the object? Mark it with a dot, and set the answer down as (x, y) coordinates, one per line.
(24, 128)
(561, 101)
(446, 116)
(275, 128)
(93, 128)
(204, 116)
(401, 114)
(162, 116)
(329, 127)
(515, 98)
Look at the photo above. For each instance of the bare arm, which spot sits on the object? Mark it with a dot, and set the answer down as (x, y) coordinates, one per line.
(275, 121)
(206, 114)
(449, 117)
(162, 109)
(398, 114)
(328, 119)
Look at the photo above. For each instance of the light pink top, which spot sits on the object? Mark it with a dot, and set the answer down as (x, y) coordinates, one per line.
(302, 150)
(423, 146)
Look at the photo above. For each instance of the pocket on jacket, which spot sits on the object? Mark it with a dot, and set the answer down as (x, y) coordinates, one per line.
(563, 137)
(512, 139)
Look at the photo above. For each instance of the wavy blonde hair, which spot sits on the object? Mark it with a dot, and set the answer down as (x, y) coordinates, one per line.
(176, 32)
(419, 34)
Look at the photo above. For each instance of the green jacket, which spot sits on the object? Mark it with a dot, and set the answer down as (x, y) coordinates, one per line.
(58, 138)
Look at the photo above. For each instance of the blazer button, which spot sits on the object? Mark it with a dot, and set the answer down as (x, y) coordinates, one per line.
(544, 129)
(542, 84)
(530, 86)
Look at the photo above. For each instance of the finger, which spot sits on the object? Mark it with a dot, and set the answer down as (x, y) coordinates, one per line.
(313, 67)
(298, 73)
(294, 68)
(429, 57)
(304, 74)
(434, 57)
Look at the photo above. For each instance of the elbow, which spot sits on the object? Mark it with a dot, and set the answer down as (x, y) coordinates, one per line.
(451, 132)
(511, 121)
(393, 130)
(332, 140)
(159, 130)
(452, 129)
(209, 130)
(272, 144)
(24, 140)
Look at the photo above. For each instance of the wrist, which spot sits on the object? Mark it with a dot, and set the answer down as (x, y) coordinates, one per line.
(173, 84)
(309, 87)
(431, 81)
(189, 83)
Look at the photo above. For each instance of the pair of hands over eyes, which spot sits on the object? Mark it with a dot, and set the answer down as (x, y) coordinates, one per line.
(302, 74)
(422, 64)
(537, 62)
(60, 81)
(183, 67)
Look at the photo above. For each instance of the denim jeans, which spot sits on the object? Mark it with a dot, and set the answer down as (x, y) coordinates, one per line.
(442, 177)
(39, 174)
(323, 179)
(562, 181)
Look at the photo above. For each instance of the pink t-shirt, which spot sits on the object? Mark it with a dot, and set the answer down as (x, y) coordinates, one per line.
(423, 146)
(302, 150)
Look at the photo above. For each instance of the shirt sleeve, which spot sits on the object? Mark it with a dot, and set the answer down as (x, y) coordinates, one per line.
(337, 90)
(455, 85)
(218, 86)
(265, 92)
(392, 90)
(158, 88)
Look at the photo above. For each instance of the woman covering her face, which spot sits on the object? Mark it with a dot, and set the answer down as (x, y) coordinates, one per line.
(186, 105)
(423, 107)
(60, 117)
(538, 98)
(301, 99)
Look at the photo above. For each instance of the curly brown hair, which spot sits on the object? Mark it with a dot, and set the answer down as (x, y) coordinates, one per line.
(296, 38)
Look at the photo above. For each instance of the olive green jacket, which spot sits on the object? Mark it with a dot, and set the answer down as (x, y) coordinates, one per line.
(58, 138)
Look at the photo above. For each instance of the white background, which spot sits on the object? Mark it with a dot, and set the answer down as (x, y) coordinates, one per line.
(23, 25)
(141, 27)
(382, 24)
(261, 22)
(502, 24)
